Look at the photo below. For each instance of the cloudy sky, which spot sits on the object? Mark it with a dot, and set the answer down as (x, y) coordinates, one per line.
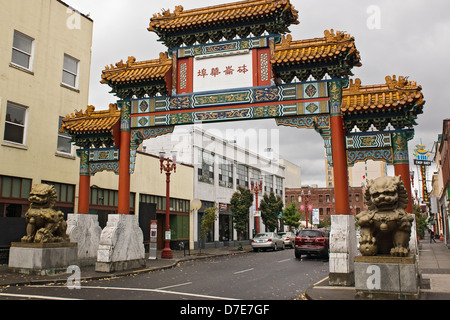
(407, 38)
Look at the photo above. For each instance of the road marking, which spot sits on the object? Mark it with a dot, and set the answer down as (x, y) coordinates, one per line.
(175, 285)
(244, 271)
(284, 260)
(315, 284)
(148, 290)
(30, 296)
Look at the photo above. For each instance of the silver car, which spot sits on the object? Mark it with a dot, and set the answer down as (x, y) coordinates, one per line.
(288, 238)
(267, 240)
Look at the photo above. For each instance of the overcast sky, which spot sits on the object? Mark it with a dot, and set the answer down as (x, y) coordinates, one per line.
(411, 39)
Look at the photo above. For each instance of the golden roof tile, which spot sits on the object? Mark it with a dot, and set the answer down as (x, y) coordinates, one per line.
(134, 72)
(91, 121)
(224, 13)
(318, 49)
(393, 94)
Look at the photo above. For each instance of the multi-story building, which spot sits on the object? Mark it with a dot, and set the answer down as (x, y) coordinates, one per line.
(323, 200)
(45, 61)
(221, 164)
(441, 184)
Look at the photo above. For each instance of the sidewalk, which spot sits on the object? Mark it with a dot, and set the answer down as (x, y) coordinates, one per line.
(434, 265)
(8, 278)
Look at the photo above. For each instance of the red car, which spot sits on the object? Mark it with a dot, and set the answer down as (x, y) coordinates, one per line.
(312, 241)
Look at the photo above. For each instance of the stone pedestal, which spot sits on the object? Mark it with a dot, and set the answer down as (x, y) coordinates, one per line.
(84, 230)
(121, 244)
(387, 277)
(342, 250)
(42, 258)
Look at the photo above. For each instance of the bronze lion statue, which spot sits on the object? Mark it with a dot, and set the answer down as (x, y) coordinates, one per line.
(385, 226)
(45, 224)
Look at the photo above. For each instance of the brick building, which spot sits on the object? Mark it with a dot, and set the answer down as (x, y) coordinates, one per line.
(323, 199)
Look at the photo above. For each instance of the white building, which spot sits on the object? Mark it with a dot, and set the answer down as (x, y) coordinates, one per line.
(222, 162)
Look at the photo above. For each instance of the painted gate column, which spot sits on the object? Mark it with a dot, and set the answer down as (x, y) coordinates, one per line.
(124, 160)
(342, 235)
(401, 163)
(85, 182)
(340, 170)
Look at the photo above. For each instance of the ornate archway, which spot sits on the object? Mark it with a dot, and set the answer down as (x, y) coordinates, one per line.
(238, 62)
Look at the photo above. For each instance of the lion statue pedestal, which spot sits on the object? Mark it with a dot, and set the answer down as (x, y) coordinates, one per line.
(45, 249)
(386, 269)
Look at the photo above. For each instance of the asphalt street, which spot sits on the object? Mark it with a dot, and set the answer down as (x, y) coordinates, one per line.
(251, 276)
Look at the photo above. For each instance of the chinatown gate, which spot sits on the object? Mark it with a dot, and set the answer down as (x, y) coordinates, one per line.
(239, 62)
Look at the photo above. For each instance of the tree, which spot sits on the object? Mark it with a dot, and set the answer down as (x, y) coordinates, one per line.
(271, 207)
(207, 222)
(421, 223)
(291, 215)
(241, 201)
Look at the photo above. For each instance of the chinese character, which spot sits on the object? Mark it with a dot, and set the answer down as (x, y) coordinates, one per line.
(215, 72)
(229, 71)
(202, 73)
(243, 69)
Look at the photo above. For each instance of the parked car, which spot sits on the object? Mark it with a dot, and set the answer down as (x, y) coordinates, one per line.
(312, 241)
(288, 238)
(267, 240)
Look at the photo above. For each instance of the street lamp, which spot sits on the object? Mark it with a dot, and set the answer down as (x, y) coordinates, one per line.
(256, 189)
(305, 198)
(168, 167)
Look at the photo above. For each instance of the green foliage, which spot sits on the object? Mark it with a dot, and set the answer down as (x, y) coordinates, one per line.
(291, 215)
(421, 223)
(271, 207)
(241, 201)
(325, 222)
(207, 223)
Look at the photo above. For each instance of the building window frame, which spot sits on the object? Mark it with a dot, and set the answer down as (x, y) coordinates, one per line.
(242, 175)
(21, 123)
(206, 170)
(225, 172)
(70, 71)
(64, 144)
(28, 52)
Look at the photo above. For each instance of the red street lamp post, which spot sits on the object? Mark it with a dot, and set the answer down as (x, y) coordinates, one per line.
(256, 189)
(167, 167)
(305, 198)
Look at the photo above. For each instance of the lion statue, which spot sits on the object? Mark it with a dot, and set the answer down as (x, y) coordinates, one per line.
(45, 224)
(385, 226)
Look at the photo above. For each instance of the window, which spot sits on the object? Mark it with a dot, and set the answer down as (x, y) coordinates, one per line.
(225, 173)
(64, 144)
(13, 187)
(278, 185)
(206, 172)
(22, 52)
(268, 183)
(70, 71)
(15, 123)
(242, 175)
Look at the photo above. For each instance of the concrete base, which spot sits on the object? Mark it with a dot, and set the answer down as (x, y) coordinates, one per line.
(42, 258)
(121, 244)
(84, 230)
(342, 250)
(387, 277)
